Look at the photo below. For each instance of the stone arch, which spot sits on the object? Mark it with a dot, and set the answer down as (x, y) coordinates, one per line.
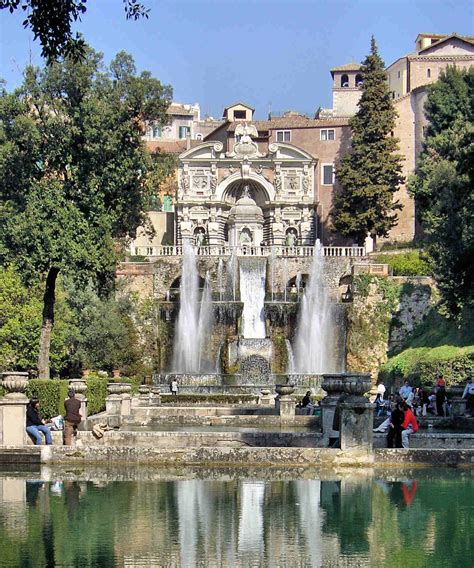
(358, 80)
(344, 80)
(262, 189)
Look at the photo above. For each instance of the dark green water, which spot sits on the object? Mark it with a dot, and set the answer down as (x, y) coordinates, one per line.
(235, 518)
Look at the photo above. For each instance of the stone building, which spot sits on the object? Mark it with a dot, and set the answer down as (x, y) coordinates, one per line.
(287, 162)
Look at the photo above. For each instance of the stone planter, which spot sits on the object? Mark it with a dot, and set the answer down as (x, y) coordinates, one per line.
(78, 385)
(15, 383)
(144, 389)
(125, 388)
(284, 390)
(114, 388)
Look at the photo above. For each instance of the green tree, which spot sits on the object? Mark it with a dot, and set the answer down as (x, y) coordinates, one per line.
(371, 173)
(443, 186)
(75, 175)
(51, 22)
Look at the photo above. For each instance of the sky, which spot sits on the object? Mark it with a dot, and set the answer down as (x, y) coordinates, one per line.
(268, 53)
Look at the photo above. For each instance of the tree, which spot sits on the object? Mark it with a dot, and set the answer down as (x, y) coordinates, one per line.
(51, 22)
(371, 173)
(443, 186)
(75, 175)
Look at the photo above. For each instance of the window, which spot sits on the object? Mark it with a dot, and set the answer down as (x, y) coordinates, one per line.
(327, 134)
(240, 114)
(398, 74)
(428, 73)
(283, 135)
(183, 131)
(359, 80)
(198, 136)
(156, 131)
(344, 80)
(328, 174)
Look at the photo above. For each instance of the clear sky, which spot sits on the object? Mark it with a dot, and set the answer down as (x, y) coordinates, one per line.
(263, 52)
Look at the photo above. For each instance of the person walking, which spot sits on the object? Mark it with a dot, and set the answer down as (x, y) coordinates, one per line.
(469, 395)
(394, 436)
(35, 425)
(73, 417)
(409, 426)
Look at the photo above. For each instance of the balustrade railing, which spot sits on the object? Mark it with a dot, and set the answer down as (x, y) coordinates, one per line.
(249, 250)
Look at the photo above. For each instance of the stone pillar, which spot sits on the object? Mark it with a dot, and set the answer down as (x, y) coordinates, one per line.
(80, 387)
(265, 398)
(284, 403)
(113, 406)
(333, 385)
(13, 410)
(144, 396)
(126, 408)
(458, 406)
(357, 422)
(155, 396)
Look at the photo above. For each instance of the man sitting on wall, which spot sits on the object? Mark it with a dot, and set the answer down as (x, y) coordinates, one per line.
(35, 425)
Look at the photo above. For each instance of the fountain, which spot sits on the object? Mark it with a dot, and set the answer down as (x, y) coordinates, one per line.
(252, 294)
(193, 319)
(316, 334)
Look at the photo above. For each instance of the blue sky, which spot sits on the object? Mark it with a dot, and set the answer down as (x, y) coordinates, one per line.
(263, 52)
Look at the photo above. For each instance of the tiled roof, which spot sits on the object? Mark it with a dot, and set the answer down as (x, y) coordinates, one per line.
(348, 67)
(170, 146)
(278, 123)
(467, 39)
(179, 109)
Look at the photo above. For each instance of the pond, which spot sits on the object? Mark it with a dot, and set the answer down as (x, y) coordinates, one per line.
(215, 518)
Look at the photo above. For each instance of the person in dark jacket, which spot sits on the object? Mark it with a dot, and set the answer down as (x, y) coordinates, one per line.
(394, 436)
(73, 417)
(35, 425)
(440, 399)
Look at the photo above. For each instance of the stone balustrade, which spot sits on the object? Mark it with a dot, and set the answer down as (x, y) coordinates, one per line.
(251, 250)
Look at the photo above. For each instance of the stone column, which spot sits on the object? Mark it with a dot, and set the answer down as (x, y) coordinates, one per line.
(80, 387)
(144, 396)
(333, 385)
(357, 422)
(13, 409)
(284, 403)
(155, 396)
(113, 406)
(126, 408)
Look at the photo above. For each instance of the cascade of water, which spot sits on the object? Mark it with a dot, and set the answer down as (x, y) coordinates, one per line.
(194, 320)
(232, 274)
(252, 294)
(220, 270)
(298, 284)
(272, 261)
(316, 333)
(290, 367)
(285, 277)
(205, 322)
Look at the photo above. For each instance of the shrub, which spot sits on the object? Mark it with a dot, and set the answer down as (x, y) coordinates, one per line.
(409, 263)
(96, 394)
(51, 394)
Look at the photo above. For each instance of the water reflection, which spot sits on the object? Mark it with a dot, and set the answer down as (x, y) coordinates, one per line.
(359, 519)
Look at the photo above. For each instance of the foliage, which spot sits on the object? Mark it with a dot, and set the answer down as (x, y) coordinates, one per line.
(51, 394)
(51, 22)
(442, 186)
(96, 394)
(75, 176)
(371, 173)
(20, 325)
(438, 345)
(411, 263)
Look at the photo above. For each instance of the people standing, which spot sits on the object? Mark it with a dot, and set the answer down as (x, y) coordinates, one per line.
(405, 390)
(394, 436)
(35, 425)
(409, 426)
(469, 395)
(440, 399)
(174, 387)
(73, 417)
(381, 390)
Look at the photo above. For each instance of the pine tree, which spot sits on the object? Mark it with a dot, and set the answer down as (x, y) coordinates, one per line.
(371, 173)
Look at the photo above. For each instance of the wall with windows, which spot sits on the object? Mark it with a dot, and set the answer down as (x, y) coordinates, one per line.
(397, 78)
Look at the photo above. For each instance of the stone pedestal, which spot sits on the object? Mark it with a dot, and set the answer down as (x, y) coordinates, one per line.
(287, 408)
(13, 419)
(80, 387)
(126, 408)
(458, 406)
(328, 408)
(113, 408)
(265, 398)
(144, 396)
(155, 396)
(357, 419)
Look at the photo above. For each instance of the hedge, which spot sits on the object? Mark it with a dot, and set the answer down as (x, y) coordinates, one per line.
(96, 394)
(409, 263)
(51, 393)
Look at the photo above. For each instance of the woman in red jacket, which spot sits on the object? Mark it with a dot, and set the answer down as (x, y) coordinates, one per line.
(409, 425)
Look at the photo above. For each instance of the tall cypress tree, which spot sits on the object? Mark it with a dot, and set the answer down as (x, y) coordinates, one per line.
(371, 173)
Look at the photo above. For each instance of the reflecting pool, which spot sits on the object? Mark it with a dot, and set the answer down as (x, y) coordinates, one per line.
(216, 518)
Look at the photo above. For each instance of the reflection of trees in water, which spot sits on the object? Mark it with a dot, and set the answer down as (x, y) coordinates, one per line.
(200, 522)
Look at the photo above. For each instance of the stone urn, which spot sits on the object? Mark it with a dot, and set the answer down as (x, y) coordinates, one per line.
(125, 388)
(114, 388)
(456, 391)
(264, 392)
(15, 383)
(79, 386)
(284, 390)
(356, 385)
(155, 390)
(333, 385)
(144, 389)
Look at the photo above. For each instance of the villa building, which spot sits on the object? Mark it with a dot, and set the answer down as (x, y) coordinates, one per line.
(285, 165)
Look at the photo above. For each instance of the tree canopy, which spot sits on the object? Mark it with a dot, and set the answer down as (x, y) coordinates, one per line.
(371, 173)
(51, 22)
(443, 186)
(75, 176)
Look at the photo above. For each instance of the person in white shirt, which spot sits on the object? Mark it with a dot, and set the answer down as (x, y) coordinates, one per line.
(469, 395)
(381, 390)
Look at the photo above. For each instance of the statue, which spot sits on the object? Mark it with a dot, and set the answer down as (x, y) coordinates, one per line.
(246, 192)
(291, 239)
(245, 238)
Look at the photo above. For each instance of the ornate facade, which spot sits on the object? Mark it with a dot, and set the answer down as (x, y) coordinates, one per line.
(246, 195)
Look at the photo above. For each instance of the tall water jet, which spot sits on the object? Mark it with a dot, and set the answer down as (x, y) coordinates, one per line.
(316, 351)
(194, 318)
(232, 275)
(252, 294)
(285, 279)
(220, 272)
